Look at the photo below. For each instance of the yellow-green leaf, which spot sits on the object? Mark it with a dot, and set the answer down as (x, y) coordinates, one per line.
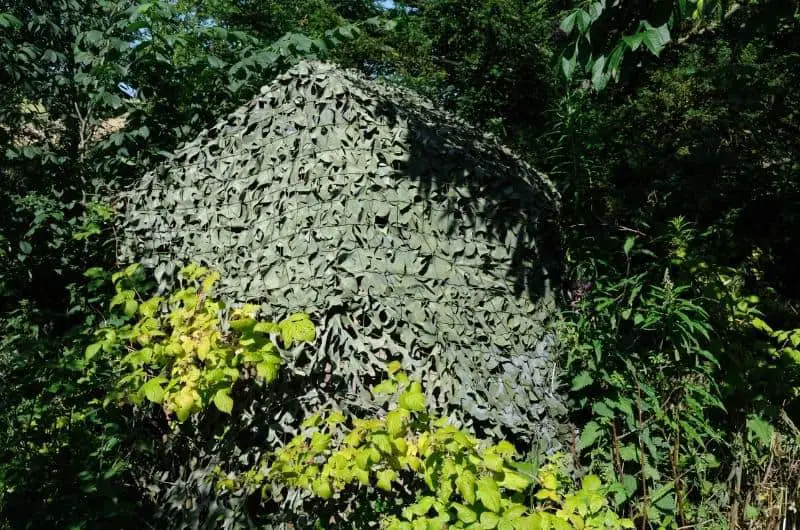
(149, 307)
(592, 483)
(489, 520)
(420, 508)
(267, 370)
(153, 390)
(493, 461)
(465, 482)
(242, 325)
(212, 277)
(183, 405)
(92, 350)
(385, 478)
(297, 328)
(545, 494)
(464, 513)
(548, 480)
(374, 454)
(311, 421)
(400, 445)
(335, 418)
(488, 493)
(412, 401)
(514, 512)
(396, 422)
(761, 325)
(463, 439)
(362, 476)
(394, 366)
(383, 443)
(266, 328)
(319, 442)
(362, 459)
(203, 347)
(223, 400)
(505, 448)
(322, 488)
(131, 269)
(531, 522)
(514, 481)
(131, 306)
(386, 386)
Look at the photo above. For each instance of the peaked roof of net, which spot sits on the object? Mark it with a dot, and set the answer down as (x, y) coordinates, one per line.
(315, 97)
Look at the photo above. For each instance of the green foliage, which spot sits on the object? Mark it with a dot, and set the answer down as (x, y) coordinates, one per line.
(173, 350)
(489, 61)
(458, 480)
(268, 21)
(226, 66)
(647, 381)
(601, 36)
(66, 461)
(625, 174)
(67, 132)
(786, 343)
(65, 112)
(45, 241)
(658, 347)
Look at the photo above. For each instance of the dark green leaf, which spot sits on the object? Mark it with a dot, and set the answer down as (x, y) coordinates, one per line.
(582, 380)
(591, 433)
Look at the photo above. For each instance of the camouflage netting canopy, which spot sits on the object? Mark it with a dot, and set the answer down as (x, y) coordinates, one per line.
(405, 233)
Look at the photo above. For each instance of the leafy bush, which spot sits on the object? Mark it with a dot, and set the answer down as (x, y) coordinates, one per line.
(174, 351)
(646, 384)
(446, 477)
(658, 342)
(682, 346)
(65, 461)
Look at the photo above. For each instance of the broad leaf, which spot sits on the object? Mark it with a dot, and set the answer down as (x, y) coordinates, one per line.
(591, 433)
(488, 493)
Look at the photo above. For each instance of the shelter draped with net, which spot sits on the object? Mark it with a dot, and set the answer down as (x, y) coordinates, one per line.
(405, 233)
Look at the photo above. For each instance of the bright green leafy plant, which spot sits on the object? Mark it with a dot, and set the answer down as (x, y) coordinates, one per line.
(175, 351)
(459, 481)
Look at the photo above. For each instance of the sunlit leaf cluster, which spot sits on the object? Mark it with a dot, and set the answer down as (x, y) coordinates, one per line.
(175, 351)
(459, 481)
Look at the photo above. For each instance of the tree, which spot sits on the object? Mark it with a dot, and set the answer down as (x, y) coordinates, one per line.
(602, 37)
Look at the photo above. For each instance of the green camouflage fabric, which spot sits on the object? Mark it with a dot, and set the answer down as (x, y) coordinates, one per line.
(406, 234)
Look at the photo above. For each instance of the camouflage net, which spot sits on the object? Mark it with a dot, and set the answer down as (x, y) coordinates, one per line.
(406, 234)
